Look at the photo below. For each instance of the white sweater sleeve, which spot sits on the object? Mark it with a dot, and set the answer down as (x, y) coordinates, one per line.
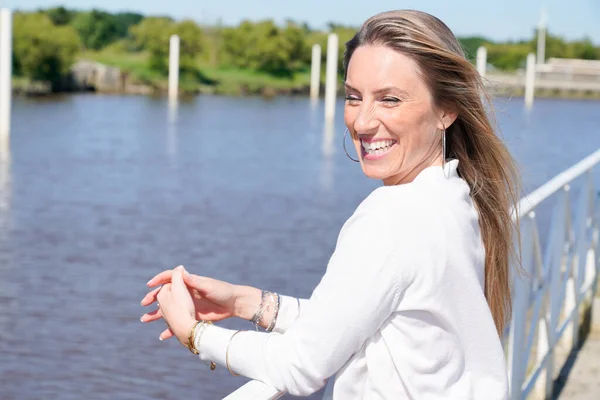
(359, 291)
(289, 311)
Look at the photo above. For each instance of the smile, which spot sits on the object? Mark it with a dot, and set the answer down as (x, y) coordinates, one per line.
(377, 148)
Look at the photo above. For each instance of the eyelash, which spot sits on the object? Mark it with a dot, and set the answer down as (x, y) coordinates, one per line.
(385, 99)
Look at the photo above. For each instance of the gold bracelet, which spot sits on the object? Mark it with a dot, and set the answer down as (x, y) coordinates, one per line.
(190, 344)
(198, 331)
(227, 355)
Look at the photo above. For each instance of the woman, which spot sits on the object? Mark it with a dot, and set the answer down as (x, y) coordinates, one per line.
(416, 294)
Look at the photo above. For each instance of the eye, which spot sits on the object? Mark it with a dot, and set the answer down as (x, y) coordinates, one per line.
(352, 99)
(391, 100)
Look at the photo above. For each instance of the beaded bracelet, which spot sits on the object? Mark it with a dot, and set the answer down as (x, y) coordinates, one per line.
(261, 310)
(275, 313)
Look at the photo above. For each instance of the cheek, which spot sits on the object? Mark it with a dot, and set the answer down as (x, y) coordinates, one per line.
(349, 116)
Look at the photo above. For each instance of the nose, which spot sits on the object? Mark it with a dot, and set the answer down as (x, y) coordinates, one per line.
(366, 121)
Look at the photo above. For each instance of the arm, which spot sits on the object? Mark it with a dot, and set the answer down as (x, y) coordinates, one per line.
(248, 300)
(359, 291)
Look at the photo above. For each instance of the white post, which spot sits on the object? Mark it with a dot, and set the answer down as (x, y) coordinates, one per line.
(5, 72)
(315, 72)
(173, 67)
(331, 78)
(481, 60)
(541, 40)
(530, 80)
(541, 45)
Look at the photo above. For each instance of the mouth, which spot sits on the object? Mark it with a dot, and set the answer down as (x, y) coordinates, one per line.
(376, 149)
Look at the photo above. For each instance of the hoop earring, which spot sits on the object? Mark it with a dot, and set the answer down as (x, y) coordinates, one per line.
(446, 173)
(344, 144)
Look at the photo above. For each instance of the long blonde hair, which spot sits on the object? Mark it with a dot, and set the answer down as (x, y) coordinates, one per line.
(484, 161)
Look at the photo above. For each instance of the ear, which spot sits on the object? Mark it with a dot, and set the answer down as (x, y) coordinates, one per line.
(446, 119)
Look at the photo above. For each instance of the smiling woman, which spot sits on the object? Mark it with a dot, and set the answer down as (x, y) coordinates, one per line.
(416, 292)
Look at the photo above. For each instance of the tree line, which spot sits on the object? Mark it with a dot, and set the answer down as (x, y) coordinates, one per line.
(48, 41)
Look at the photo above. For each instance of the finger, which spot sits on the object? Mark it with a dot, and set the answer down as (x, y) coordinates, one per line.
(151, 316)
(177, 279)
(196, 282)
(163, 293)
(150, 297)
(166, 334)
(160, 279)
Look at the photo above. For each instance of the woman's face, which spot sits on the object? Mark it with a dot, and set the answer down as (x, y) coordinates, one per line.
(389, 110)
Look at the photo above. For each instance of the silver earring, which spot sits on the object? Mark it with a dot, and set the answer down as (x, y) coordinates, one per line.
(446, 173)
(344, 143)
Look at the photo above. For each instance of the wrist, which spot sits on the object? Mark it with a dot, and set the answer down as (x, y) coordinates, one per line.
(183, 335)
(247, 301)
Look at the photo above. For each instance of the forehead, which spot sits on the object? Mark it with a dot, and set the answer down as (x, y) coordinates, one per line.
(372, 67)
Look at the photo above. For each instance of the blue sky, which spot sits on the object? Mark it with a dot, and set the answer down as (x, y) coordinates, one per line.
(498, 19)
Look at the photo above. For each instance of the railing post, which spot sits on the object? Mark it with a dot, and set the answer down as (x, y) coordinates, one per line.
(556, 252)
(517, 359)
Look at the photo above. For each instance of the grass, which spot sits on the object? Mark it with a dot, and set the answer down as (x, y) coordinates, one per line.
(207, 79)
(20, 82)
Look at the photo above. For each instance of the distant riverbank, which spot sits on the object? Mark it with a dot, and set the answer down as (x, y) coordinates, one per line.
(128, 73)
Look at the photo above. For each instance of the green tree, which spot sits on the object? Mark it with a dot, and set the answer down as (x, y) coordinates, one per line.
(123, 21)
(96, 29)
(508, 57)
(190, 36)
(584, 49)
(59, 15)
(470, 45)
(42, 50)
(153, 34)
(263, 46)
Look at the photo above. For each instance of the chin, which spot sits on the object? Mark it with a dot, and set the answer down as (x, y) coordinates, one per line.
(375, 173)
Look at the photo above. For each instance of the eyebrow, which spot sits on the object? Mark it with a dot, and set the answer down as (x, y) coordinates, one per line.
(379, 91)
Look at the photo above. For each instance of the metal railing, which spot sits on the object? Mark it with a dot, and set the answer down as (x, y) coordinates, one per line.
(548, 298)
(549, 293)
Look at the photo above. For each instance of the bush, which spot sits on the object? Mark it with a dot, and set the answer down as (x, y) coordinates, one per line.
(42, 50)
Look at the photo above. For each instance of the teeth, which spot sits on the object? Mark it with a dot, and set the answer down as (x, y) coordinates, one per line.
(378, 147)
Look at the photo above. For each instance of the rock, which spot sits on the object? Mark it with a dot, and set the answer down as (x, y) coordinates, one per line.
(88, 75)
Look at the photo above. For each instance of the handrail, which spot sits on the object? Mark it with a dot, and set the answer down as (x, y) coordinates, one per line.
(532, 200)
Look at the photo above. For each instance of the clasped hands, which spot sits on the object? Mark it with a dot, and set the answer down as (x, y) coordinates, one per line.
(183, 298)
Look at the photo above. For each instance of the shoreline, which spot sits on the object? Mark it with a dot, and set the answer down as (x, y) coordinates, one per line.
(42, 89)
(128, 84)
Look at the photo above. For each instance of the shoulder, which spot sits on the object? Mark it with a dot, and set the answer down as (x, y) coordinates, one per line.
(407, 208)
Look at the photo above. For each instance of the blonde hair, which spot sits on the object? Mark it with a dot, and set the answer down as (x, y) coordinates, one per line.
(484, 161)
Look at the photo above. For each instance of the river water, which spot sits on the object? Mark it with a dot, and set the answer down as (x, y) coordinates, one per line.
(99, 193)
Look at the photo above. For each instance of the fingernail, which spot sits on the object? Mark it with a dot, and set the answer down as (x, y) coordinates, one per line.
(148, 283)
(142, 319)
(160, 338)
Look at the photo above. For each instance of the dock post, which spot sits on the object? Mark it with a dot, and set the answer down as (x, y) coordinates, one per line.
(315, 72)
(541, 39)
(481, 60)
(5, 72)
(530, 81)
(331, 78)
(173, 67)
